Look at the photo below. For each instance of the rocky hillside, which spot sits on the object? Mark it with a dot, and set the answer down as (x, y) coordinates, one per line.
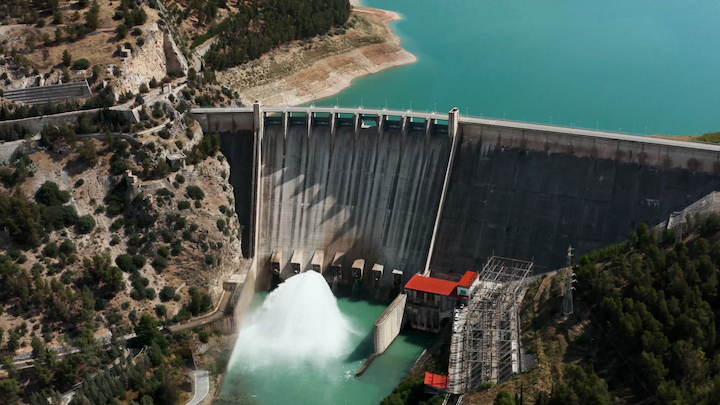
(97, 232)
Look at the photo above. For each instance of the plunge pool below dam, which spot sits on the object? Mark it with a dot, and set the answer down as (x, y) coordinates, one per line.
(277, 365)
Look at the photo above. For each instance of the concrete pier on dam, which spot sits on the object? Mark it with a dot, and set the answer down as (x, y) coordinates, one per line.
(414, 191)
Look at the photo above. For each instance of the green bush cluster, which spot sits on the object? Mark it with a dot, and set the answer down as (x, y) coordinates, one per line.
(656, 303)
(282, 21)
(195, 192)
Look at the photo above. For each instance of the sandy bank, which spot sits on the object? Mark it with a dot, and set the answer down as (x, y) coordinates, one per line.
(303, 71)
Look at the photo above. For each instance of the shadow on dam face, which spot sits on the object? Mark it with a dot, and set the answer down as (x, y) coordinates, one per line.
(508, 189)
(238, 148)
(532, 205)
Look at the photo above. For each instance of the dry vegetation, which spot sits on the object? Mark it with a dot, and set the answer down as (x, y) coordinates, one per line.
(40, 45)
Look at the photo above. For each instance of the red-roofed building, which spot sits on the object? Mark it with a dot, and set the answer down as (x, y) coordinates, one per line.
(429, 301)
(463, 286)
(436, 382)
(431, 285)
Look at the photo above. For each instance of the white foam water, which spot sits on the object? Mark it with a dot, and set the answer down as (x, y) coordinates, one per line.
(299, 322)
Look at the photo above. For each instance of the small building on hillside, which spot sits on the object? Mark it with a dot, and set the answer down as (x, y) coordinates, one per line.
(436, 383)
(463, 288)
(429, 301)
(176, 161)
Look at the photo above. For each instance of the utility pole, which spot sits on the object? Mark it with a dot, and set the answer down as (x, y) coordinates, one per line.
(569, 280)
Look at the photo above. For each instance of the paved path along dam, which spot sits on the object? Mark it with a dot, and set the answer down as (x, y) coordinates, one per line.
(414, 191)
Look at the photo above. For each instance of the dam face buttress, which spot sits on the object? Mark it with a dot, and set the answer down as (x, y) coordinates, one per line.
(415, 191)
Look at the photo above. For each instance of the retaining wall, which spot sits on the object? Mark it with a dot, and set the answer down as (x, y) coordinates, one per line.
(36, 124)
(244, 294)
(9, 151)
(388, 326)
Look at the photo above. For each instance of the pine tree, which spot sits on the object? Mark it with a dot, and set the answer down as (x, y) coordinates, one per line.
(66, 58)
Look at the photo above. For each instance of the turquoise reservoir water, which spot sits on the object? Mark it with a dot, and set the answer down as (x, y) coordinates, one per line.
(301, 383)
(614, 64)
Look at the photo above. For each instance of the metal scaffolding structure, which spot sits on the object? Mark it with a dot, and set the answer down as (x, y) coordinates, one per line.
(491, 338)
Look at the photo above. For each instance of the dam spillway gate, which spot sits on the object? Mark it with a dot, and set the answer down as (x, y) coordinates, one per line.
(415, 191)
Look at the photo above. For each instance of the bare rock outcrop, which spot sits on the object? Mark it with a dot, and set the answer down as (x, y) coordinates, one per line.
(175, 59)
(158, 56)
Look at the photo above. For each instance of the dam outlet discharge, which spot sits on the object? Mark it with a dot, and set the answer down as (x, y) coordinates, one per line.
(299, 322)
(299, 344)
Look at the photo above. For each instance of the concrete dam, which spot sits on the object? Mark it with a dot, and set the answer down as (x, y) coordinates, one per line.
(408, 191)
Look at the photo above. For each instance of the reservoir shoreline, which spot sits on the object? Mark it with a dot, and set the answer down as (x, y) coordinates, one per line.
(304, 71)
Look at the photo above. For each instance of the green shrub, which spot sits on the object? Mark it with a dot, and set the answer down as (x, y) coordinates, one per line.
(85, 224)
(180, 223)
(117, 224)
(180, 178)
(160, 310)
(163, 251)
(176, 249)
(183, 205)
(220, 224)
(195, 192)
(125, 263)
(138, 261)
(66, 277)
(81, 64)
(51, 250)
(198, 204)
(209, 260)
(159, 263)
(167, 293)
(67, 246)
(79, 183)
(486, 385)
(51, 195)
(164, 134)
(121, 29)
(119, 166)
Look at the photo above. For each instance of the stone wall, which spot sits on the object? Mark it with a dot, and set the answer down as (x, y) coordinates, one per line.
(388, 326)
(10, 150)
(36, 124)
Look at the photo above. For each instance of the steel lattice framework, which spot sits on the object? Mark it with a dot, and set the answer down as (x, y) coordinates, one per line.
(492, 329)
